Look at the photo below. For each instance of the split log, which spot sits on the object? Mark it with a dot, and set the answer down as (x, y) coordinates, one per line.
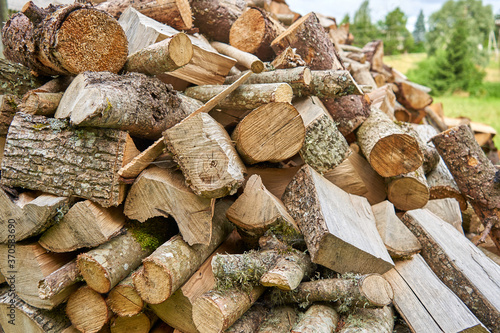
(143, 160)
(412, 98)
(319, 318)
(171, 264)
(369, 321)
(177, 310)
(139, 323)
(250, 322)
(206, 67)
(41, 103)
(246, 97)
(448, 210)
(244, 59)
(459, 264)
(32, 214)
(274, 179)
(361, 73)
(8, 108)
(288, 59)
(257, 210)
(124, 300)
(216, 311)
(89, 159)
(151, 107)
(163, 192)
(214, 18)
(16, 79)
(175, 13)
(86, 224)
(288, 271)
(379, 137)
(31, 264)
(16, 316)
(337, 226)
(374, 52)
(383, 98)
(333, 83)
(424, 133)
(442, 185)
(311, 42)
(273, 132)
(278, 320)
(58, 280)
(349, 112)
(409, 190)
(210, 164)
(87, 310)
(49, 41)
(419, 297)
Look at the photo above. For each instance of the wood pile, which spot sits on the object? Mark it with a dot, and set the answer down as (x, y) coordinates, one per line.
(230, 166)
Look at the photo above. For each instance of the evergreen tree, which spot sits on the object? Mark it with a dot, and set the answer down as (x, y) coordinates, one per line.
(419, 32)
(362, 28)
(346, 19)
(396, 37)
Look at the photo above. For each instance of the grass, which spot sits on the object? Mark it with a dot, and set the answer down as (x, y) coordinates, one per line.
(404, 62)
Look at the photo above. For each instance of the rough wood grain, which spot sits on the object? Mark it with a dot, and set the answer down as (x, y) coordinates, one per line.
(87, 310)
(409, 190)
(251, 320)
(124, 300)
(278, 320)
(9, 105)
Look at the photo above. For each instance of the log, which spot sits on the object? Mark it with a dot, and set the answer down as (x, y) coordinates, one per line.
(379, 137)
(16, 79)
(143, 160)
(374, 52)
(89, 159)
(288, 59)
(369, 321)
(214, 18)
(288, 271)
(246, 97)
(278, 320)
(139, 323)
(210, 164)
(31, 215)
(424, 134)
(349, 111)
(161, 327)
(163, 192)
(86, 224)
(254, 31)
(334, 230)
(408, 191)
(151, 107)
(412, 98)
(251, 321)
(384, 99)
(216, 311)
(320, 318)
(124, 300)
(244, 59)
(50, 41)
(8, 108)
(87, 310)
(448, 210)
(361, 74)
(459, 264)
(419, 296)
(333, 83)
(257, 210)
(311, 42)
(206, 67)
(398, 240)
(41, 103)
(54, 283)
(30, 264)
(171, 264)
(177, 310)
(175, 13)
(273, 132)
(474, 174)
(442, 185)
(16, 316)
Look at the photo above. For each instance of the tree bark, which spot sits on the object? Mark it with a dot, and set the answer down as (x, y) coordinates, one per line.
(319, 318)
(9, 105)
(442, 185)
(61, 278)
(41, 103)
(408, 191)
(124, 300)
(87, 310)
(244, 59)
(333, 84)
(16, 79)
(349, 111)
(250, 322)
(431, 156)
(370, 321)
(279, 320)
(288, 271)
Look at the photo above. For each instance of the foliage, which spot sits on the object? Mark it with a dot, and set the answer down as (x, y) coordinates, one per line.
(419, 33)
(346, 19)
(396, 38)
(362, 28)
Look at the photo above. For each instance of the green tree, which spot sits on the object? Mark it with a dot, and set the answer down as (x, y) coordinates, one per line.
(419, 32)
(362, 27)
(396, 37)
(346, 19)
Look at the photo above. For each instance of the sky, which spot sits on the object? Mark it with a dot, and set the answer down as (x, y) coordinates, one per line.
(378, 8)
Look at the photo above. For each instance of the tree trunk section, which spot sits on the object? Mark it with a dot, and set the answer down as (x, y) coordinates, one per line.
(279, 320)
(288, 59)
(143, 160)
(41, 103)
(431, 156)
(318, 318)
(369, 321)
(124, 300)
(16, 79)
(250, 322)
(61, 278)
(87, 310)
(412, 98)
(442, 185)
(139, 323)
(333, 83)
(361, 74)
(408, 191)
(9, 105)
(244, 59)
(288, 271)
(349, 112)
(374, 52)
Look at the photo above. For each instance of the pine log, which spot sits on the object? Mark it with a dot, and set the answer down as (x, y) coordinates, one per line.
(356, 176)
(214, 18)
(16, 79)
(398, 240)
(87, 310)
(278, 320)
(459, 264)
(408, 191)
(41, 103)
(337, 226)
(151, 107)
(207, 66)
(65, 40)
(246, 97)
(369, 321)
(442, 185)
(210, 163)
(251, 321)
(273, 132)
(243, 59)
(374, 52)
(143, 160)
(448, 210)
(412, 98)
(257, 210)
(177, 310)
(288, 271)
(349, 112)
(165, 56)
(124, 300)
(171, 264)
(31, 263)
(361, 74)
(16, 316)
(31, 216)
(65, 161)
(254, 31)
(175, 13)
(333, 83)
(419, 296)
(311, 42)
(216, 311)
(299, 78)
(319, 318)
(55, 282)
(139, 323)
(8, 108)
(379, 137)
(288, 59)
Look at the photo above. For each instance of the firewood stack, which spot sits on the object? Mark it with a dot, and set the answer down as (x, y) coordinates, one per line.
(231, 166)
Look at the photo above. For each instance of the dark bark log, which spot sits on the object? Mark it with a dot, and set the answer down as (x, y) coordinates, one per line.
(348, 111)
(16, 79)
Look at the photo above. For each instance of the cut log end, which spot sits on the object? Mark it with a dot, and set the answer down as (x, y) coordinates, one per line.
(213, 319)
(139, 323)
(247, 33)
(377, 290)
(152, 283)
(408, 193)
(94, 274)
(124, 301)
(180, 49)
(390, 155)
(87, 310)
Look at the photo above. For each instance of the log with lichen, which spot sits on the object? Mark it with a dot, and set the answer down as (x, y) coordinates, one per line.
(16, 79)
(9, 105)
(369, 321)
(320, 318)
(280, 319)
(250, 321)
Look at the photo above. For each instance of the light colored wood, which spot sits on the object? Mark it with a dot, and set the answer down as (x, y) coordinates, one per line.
(361, 74)
(459, 264)
(86, 224)
(273, 132)
(288, 59)
(318, 318)
(124, 300)
(442, 185)
(251, 320)
(278, 320)
(380, 320)
(163, 192)
(333, 83)
(143, 160)
(374, 52)
(337, 226)
(274, 179)
(398, 240)
(244, 59)
(41, 103)
(139, 323)
(448, 209)
(412, 98)
(206, 67)
(87, 310)
(425, 303)
(383, 98)
(408, 191)
(58, 280)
